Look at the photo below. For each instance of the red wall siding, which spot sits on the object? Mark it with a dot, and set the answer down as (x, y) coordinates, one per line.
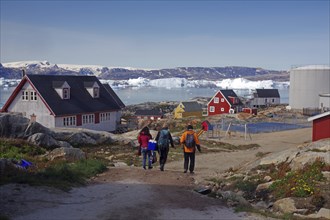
(321, 128)
(219, 105)
(97, 118)
(79, 120)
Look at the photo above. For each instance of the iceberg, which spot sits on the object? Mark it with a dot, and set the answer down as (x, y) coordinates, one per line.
(237, 83)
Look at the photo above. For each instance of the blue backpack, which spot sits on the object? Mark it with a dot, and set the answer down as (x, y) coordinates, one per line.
(163, 140)
(190, 141)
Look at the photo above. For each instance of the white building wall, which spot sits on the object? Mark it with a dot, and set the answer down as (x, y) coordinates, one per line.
(110, 125)
(30, 107)
(324, 102)
(262, 101)
(306, 83)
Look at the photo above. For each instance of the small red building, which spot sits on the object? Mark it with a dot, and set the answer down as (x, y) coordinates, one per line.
(224, 102)
(321, 126)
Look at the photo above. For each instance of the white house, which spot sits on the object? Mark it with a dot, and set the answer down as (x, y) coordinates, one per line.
(265, 97)
(66, 101)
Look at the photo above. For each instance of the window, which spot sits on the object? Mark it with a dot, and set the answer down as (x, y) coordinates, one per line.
(222, 100)
(222, 109)
(265, 100)
(105, 116)
(69, 121)
(33, 96)
(216, 99)
(66, 93)
(25, 95)
(96, 92)
(212, 109)
(88, 119)
(273, 100)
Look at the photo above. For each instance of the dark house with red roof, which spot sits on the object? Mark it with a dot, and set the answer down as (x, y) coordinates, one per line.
(223, 102)
(151, 114)
(66, 101)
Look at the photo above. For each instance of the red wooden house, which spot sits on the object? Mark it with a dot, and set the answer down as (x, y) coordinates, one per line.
(224, 102)
(321, 126)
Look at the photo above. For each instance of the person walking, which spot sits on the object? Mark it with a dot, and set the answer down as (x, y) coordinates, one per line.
(143, 139)
(164, 139)
(190, 142)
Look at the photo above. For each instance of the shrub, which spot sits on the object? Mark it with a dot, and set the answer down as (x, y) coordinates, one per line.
(300, 183)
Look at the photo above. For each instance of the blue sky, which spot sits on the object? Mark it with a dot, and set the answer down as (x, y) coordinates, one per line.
(164, 34)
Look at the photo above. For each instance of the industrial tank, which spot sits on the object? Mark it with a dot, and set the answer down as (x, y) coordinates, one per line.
(306, 84)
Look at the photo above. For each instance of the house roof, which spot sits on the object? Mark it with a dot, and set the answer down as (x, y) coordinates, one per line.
(318, 116)
(148, 112)
(230, 93)
(80, 100)
(264, 93)
(114, 95)
(192, 106)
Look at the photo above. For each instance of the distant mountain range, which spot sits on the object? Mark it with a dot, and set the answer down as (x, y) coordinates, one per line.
(13, 70)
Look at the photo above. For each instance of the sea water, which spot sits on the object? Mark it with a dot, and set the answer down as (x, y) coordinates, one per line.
(136, 95)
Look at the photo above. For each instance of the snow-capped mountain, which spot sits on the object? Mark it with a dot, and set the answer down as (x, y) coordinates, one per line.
(14, 70)
(121, 77)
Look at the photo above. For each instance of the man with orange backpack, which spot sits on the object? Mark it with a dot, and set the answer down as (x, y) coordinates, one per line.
(190, 141)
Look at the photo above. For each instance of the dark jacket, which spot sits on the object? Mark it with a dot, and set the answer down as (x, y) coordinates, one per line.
(169, 137)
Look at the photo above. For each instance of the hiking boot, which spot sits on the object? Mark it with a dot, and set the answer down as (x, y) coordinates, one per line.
(185, 171)
(144, 167)
(149, 168)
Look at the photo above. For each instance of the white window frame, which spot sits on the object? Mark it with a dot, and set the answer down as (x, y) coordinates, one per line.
(216, 99)
(96, 92)
(222, 100)
(69, 121)
(66, 93)
(222, 109)
(105, 116)
(212, 109)
(33, 95)
(88, 119)
(25, 95)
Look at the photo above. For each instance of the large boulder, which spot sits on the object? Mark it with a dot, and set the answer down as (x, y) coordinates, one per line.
(69, 154)
(13, 125)
(80, 136)
(46, 141)
(35, 127)
(300, 156)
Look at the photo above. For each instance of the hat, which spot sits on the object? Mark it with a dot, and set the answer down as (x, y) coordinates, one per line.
(190, 127)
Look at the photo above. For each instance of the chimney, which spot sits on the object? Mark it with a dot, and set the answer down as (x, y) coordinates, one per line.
(23, 73)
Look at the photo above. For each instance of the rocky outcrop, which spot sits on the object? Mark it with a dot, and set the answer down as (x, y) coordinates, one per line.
(13, 125)
(16, 126)
(259, 193)
(297, 157)
(69, 154)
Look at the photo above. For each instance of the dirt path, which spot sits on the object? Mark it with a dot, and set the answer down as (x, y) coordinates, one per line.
(120, 193)
(134, 193)
(210, 164)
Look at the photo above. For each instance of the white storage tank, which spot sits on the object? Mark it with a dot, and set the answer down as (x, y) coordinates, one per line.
(324, 102)
(306, 84)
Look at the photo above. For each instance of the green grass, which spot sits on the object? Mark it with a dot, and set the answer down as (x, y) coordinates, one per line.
(60, 174)
(18, 149)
